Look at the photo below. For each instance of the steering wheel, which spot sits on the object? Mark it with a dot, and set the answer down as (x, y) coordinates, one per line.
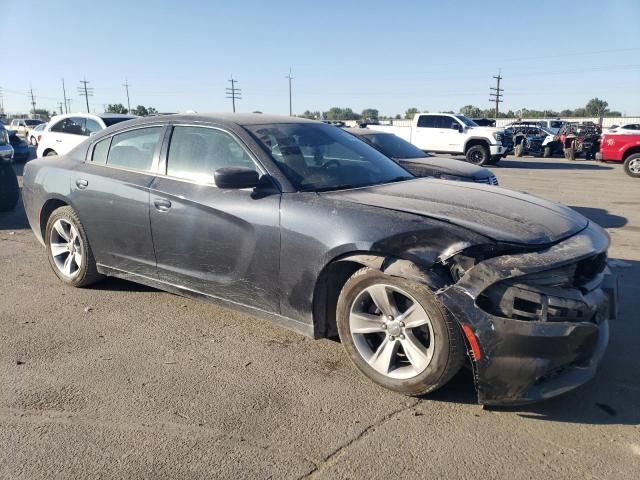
(329, 163)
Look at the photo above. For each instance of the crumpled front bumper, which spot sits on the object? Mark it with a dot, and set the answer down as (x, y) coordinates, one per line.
(524, 361)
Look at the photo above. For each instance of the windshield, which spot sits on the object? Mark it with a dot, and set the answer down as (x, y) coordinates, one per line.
(394, 146)
(467, 121)
(317, 157)
(32, 122)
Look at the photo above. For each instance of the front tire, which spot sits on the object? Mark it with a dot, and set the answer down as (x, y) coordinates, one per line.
(518, 150)
(68, 249)
(397, 333)
(632, 165)
(478, 155)
(546, 153)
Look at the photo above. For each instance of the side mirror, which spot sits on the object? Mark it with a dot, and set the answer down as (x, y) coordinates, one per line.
(456, 126)
(236, 177)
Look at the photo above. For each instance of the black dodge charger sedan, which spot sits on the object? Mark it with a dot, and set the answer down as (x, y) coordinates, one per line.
(304, 224)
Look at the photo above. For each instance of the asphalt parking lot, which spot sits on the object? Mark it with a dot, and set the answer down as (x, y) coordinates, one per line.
(123, 381)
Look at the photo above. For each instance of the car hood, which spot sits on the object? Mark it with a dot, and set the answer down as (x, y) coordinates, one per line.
(448, 166)
(484, 130)
(500, 214)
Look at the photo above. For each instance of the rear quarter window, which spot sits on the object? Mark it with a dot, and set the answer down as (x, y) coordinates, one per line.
(100, 151)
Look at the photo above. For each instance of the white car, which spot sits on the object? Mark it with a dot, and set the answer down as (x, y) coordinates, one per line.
(64, 132)
(22, 125)
(629, 128)
(33, 135)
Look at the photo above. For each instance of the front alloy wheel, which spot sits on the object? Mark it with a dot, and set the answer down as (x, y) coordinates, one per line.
(397, 333)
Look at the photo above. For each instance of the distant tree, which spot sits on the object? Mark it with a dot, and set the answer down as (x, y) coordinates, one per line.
(311, 115)
(116, 108)
(257, 111)
(337, 113)
(143, 111)
(471, 111)
(580, 112)
(596, 107)
(370, 114)
(397, 117)
(410, 113)
(567, 112)
(614, 114)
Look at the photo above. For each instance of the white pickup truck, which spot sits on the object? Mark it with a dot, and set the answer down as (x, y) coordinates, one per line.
(453, 133)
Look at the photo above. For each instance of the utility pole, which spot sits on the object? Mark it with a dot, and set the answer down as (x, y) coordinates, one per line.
(60, 107)
(496, 97)
(126, 86)
(64, 95)
(290, 78)
(85, 92)
(68, 107)
(33, 101)
(234, 93)
(1, 102)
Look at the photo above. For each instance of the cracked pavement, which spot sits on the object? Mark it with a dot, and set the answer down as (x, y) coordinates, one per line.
(124, 381)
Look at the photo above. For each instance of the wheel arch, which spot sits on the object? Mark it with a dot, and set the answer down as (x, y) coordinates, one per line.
(50, 206)
(473, 141)
(630, 151)
(337, 271)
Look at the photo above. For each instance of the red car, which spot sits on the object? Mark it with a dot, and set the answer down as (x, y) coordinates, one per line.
(621, 148)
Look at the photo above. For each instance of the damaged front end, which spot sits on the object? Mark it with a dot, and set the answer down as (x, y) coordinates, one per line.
(536, 322)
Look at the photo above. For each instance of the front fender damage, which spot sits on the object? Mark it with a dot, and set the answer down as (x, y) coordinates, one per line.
(521, 355)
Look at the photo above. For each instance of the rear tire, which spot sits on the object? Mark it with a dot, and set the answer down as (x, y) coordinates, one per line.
(569, 154)
(518, 150)
(416, 352)
(632, 165)
(68, 249)
(478, 155)
(9, 190)
(546, 153)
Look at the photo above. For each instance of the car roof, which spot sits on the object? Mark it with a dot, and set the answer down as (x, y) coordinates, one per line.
(243, 119)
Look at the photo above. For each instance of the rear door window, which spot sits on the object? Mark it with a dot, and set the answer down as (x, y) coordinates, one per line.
(134, 150)
(100, 151)
(427, 121)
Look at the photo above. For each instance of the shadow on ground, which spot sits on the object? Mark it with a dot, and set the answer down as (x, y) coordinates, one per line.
(551, 164)
(602, 217)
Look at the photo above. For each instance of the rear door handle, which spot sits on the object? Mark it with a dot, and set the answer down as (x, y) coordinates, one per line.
(82, 183)
(161, 204)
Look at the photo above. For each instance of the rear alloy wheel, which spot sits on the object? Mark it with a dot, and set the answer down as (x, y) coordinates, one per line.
(478, 155)
(397, 333)
(69, 253)
(632, 165)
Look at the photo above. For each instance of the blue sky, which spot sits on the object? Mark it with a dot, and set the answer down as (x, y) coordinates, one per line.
(390, 55)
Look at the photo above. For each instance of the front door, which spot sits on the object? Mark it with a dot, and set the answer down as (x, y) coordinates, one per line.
(224, 243)
(110, 192)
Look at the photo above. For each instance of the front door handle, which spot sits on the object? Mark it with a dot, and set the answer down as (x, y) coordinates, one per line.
(161, 204)
(82, 183)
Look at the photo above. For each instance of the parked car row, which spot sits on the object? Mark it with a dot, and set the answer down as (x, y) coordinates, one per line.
(9, 191)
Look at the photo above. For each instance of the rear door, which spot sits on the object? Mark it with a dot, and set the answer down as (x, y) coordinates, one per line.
(425, 133)
(224, 243)
(110, 191)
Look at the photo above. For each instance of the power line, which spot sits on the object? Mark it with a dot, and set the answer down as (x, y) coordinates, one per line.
(290, 105)
(126, 86)
(234, 93)
(85, 92)
(498, 92)
(64, 95)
